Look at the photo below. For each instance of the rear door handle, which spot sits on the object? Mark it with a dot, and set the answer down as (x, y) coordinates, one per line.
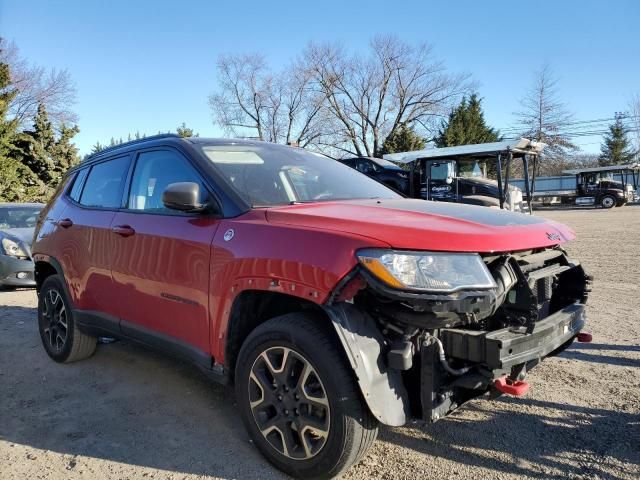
(65, 223)
(123, 230)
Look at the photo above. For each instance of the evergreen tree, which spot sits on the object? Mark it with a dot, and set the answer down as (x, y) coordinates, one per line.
(65, 152)
(466, 125)
(17, 182)
(40, 144)
(402, 139)
(8, 128)
(97, 147)
(616, 149)
(47, 155)
(185, 131)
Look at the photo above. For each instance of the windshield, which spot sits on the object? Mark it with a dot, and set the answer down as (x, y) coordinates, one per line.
(441, 170)
(276, 175)
(18, 217)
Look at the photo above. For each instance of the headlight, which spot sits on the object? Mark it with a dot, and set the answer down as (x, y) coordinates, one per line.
(13, 249)
(429, 271)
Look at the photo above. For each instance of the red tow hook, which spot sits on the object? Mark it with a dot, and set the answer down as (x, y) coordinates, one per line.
(506, 385)
(584, 337)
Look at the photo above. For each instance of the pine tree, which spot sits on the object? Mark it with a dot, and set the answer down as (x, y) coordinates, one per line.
(8, 128)
(65, 152)
(97, 147)
(402, 139)
(17, 182)
(46, 154)
(39, 148)
(616, 149)
(185, 131)
(466, 125)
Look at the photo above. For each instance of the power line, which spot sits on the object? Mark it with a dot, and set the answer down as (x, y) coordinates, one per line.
(577, 126)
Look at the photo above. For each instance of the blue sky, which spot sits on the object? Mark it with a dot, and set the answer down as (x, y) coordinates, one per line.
(149, 66)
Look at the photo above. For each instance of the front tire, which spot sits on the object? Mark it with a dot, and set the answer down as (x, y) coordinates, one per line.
(298, 398)
(61, 338)
(607, 202)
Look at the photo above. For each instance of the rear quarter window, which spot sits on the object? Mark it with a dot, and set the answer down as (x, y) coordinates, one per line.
(78, 183)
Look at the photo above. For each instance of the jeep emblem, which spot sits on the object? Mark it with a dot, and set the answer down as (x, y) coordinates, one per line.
(554, 236)
(228, 235)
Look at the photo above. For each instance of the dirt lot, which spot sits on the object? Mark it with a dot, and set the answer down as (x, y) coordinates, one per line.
(131, 413)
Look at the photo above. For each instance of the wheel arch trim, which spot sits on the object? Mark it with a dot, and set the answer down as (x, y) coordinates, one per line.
(53, 262)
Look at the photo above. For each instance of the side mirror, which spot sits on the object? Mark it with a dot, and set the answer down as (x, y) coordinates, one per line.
(183, 196)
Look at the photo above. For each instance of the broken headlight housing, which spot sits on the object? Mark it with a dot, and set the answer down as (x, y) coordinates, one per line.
(427, 271)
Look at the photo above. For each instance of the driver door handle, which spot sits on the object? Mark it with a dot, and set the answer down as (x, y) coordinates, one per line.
(123, 230)
(65, 223)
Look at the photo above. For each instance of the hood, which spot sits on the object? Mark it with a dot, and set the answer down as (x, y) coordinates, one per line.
(25, 235)
(414, 224)
(485, 181)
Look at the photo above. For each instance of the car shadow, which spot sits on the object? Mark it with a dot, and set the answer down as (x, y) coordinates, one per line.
(605, 346)
(137, 407)
(555, 208)
(529, 437)
(597, 358)
(125, 404)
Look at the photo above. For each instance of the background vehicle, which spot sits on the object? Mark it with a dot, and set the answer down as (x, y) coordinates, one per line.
(605, 187)
(381, 170)
(17, 223)
(460, 174)
(279, 270)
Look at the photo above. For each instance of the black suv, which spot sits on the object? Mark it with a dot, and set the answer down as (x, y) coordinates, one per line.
(381, 170)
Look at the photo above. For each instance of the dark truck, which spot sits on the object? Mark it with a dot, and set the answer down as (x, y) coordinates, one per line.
(606, 187)
(461, 174)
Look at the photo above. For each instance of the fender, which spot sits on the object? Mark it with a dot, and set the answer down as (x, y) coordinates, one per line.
(53, 262)
(381, 387)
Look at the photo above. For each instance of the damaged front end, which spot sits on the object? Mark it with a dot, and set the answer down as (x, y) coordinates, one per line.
(438, 349)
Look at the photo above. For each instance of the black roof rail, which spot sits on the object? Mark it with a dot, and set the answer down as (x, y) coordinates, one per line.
(132, 142)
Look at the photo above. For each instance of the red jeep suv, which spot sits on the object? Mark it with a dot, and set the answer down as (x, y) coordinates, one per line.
(330, 302)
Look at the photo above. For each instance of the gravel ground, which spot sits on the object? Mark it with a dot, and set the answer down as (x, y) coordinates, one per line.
(131, 413)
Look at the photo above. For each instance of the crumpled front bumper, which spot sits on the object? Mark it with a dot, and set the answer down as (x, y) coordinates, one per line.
(500, 350)
(494, 354)
(15, 272)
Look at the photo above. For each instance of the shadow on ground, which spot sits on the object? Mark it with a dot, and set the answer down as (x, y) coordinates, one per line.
(125, 404)
(134, 406)
(538, 441)
(606, 346)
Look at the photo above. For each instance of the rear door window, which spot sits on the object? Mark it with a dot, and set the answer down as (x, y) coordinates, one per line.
(103, 187)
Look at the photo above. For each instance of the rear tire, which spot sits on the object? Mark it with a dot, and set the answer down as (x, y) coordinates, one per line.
(61, 338)
(292, 377)
(607, 202)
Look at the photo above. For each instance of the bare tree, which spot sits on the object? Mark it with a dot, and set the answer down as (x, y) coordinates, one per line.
(332, 100)
(370, 97)
(634, 117)
(253, 101)
(37, 85)
(544, 117)
(244, 89)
